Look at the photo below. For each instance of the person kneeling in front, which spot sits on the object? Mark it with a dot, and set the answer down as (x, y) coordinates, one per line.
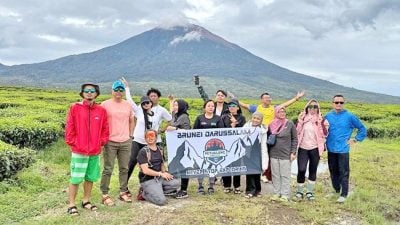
(155, 182)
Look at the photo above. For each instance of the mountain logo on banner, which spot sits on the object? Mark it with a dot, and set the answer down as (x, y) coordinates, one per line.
(215, 151)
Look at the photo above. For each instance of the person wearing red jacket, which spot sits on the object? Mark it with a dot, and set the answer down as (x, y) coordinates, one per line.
(86, 132)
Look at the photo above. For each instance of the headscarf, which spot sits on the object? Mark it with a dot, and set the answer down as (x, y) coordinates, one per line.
(277, 124)
(183, 106)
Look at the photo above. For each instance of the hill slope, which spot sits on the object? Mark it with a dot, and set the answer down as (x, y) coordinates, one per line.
(168, 58)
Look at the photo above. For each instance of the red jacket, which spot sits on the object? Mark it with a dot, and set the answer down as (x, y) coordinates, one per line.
(87, 128)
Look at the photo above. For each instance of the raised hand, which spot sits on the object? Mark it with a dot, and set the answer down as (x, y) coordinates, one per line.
(125, 82)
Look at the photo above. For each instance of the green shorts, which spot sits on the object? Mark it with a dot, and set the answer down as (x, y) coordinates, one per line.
(84, 168)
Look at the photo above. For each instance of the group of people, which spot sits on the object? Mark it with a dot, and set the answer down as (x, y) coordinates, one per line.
(130, 133)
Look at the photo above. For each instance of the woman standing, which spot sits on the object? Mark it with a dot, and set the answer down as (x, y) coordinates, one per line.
(206, 121)
(282, 153)
(180, 120)
(231, 120)
(253, 181)
(311, 132)
(144, 121)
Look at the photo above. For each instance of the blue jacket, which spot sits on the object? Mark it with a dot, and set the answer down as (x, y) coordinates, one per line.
(341, 126)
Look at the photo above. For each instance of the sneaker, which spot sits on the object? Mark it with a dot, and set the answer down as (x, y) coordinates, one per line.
(181, 194)
(201, 191)
(172, 193)
(310, 196)
(264, 179)
(341, 199)
(258, 194)
(248, 195)
(275, 198)
(237, 191)
(284, 198)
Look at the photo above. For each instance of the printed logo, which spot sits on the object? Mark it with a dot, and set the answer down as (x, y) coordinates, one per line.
(215, 151)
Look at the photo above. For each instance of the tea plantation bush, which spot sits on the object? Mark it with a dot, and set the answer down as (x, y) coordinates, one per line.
(13, 159)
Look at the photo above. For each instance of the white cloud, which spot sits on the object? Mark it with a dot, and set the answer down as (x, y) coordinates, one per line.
(340, 40)
(191, 36)
(56, 39)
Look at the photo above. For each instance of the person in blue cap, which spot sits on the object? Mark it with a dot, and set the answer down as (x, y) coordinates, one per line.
(121, 123)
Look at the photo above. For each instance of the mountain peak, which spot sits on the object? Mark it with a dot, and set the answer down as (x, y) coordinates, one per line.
(192, 32)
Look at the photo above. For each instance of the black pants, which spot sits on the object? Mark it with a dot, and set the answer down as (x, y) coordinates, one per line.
(228, 181)
(133, 159)
(340, 171)
(184, 184)
(304, 157)
(253, 184)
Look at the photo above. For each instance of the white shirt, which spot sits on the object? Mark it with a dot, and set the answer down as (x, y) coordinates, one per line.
(160, 113)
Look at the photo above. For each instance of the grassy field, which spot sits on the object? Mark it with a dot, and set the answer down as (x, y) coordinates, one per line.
(38, 194)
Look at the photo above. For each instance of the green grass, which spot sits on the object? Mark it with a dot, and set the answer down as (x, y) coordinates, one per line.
(375, 187)
(38, 196)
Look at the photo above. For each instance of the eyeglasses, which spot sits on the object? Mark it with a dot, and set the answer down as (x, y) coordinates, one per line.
(337, 103)
(119, 89)
(312, 106)
(89, 90)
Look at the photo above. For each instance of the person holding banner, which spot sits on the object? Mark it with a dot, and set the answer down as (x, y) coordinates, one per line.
(253, 181)
(180, 120)
(155, 181)
(206, 121)
(311, 131)
(231, 120)
(282, 152)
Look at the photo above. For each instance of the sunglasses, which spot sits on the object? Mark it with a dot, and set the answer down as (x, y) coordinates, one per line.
(337, 103)
(119, 89)
(232, 105)
(312, 106)
(150, 135)
(89, 90)
(145, 103)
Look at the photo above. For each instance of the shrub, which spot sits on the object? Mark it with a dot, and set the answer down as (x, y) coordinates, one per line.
(13, 160)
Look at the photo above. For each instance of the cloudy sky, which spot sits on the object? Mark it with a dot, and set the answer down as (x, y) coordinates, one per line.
(355, 43)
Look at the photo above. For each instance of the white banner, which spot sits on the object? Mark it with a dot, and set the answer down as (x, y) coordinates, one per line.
(214, 152)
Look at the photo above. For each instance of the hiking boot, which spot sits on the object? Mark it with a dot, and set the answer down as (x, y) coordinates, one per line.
(181, 194)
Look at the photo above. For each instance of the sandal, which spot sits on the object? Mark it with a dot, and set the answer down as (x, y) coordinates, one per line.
(125, 197)
(106, 200)
(201, 191)
(128, 193)
(310, 196)
(89, 206)
(139, 196)
(73, 211)
(237, 191)
(299, 196)
(227, 190)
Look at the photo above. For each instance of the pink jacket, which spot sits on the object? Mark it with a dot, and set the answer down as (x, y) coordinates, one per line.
(318, 127)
